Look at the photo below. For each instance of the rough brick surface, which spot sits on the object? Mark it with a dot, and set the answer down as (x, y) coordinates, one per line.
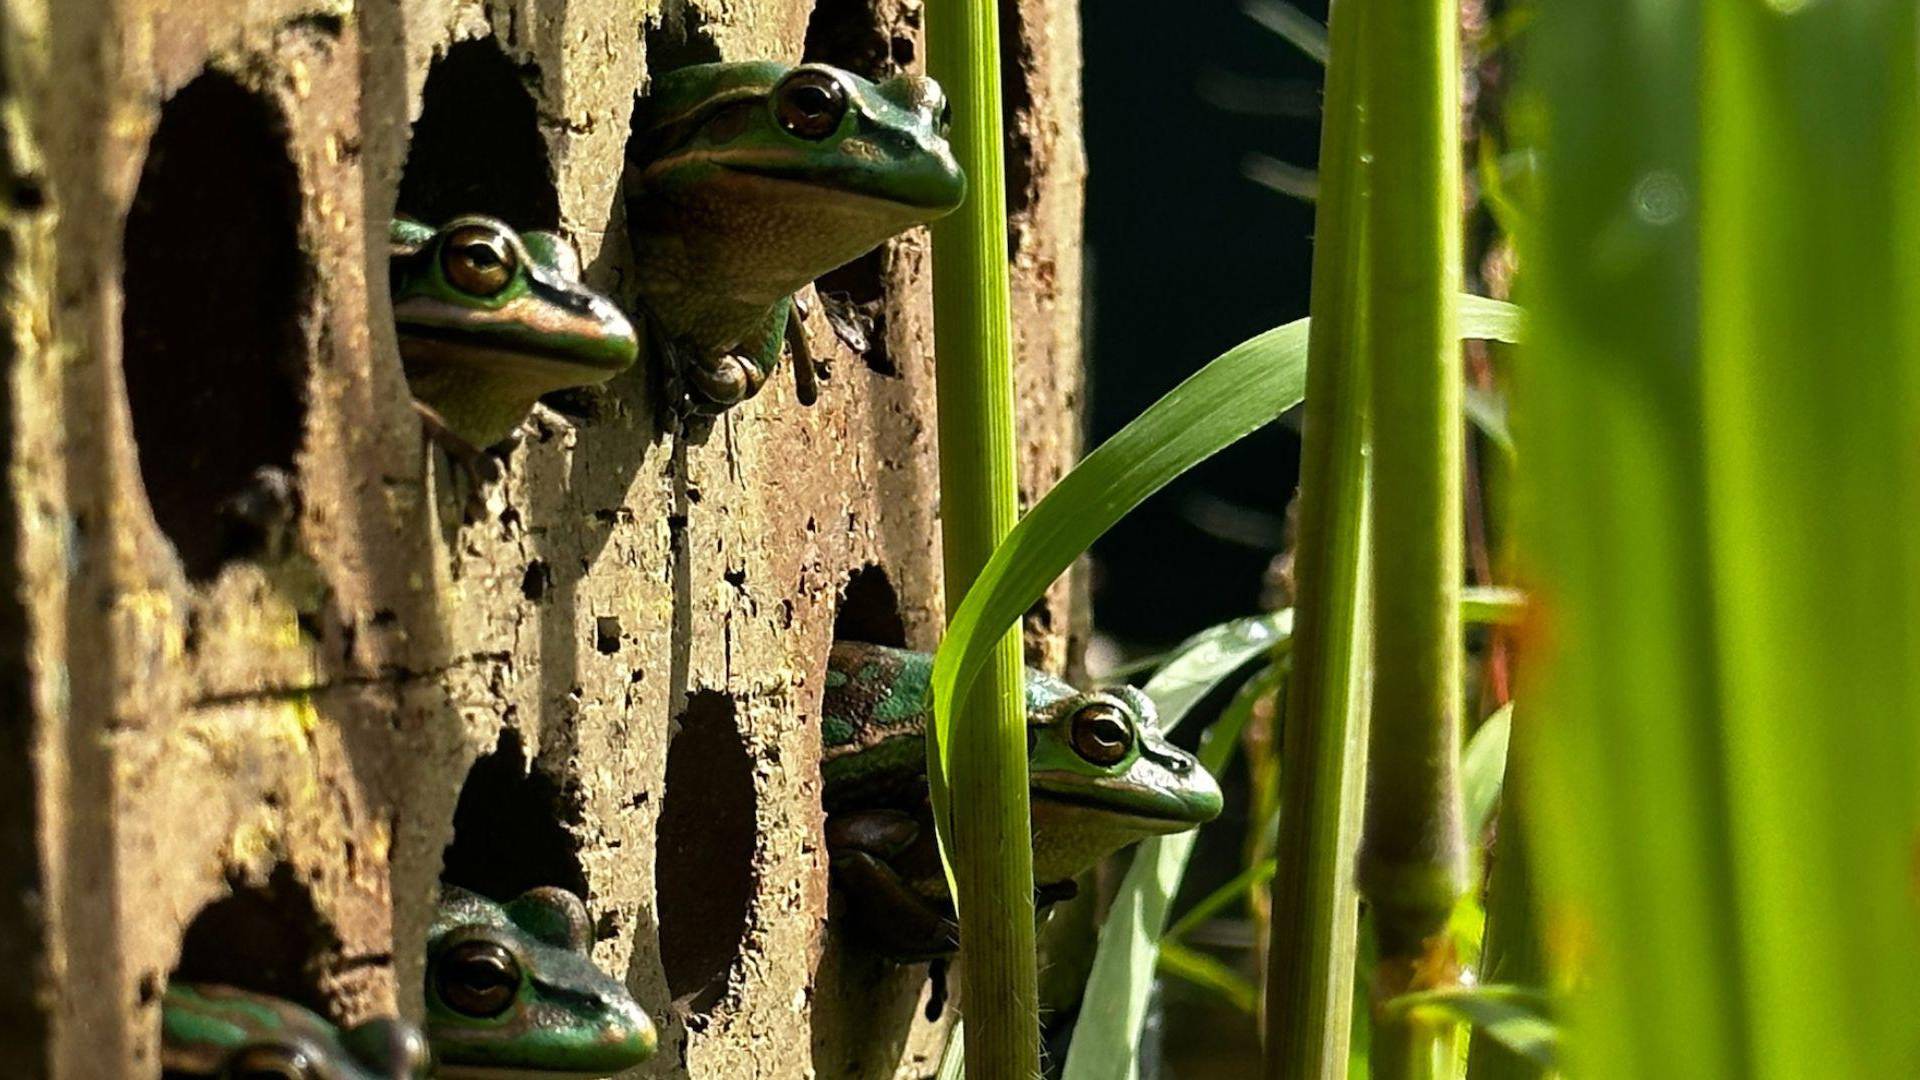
(249, 768)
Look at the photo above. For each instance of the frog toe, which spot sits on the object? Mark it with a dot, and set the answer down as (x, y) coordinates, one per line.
(725, 381)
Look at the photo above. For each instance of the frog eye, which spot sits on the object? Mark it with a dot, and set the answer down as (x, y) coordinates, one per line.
(478, 260)
(810, 104)
(478, 979)
(270, 1063)
(1101, 733)
(944, 122)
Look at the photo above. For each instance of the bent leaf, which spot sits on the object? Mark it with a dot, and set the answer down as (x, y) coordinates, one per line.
(1240, 391)
(1513, 1016)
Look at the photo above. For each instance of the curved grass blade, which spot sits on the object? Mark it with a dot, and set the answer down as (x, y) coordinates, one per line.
(1301, 30)
(1203, 661)
(1514, 1016)
(1238, 392)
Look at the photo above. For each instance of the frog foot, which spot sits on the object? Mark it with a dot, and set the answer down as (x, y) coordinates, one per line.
(720, 382)
(892, 917)
(475, 464)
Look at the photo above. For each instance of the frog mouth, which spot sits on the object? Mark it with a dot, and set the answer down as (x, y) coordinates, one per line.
(1149, 809)
(578, 336)
(936, 203)
(421, 341)
(928, 189)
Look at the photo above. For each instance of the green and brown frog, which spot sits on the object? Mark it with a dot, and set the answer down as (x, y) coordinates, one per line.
(1102, 777)
(749, 179)
(512, 991)
(209, 1030)
(489, 319)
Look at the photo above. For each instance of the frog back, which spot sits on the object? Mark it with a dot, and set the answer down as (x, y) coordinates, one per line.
(874, 716)
(681, 100)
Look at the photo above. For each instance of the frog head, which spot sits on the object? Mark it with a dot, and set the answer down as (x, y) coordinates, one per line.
(753, 178)
(1103, 776)
(221, 1031)
(489, 319)
(511, 991)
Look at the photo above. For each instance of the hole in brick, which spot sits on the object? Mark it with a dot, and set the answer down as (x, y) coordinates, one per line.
(606, 634)
(870, 610)
(476, 148)
(508, 828)
(855, 299)
(850, 34)
(537, 580)
(680, 39)
(265, 938)
(704, 863)
(216, 291)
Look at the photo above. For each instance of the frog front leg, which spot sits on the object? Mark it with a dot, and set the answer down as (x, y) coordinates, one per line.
(892, 917)
(718, 381)
(475, 464)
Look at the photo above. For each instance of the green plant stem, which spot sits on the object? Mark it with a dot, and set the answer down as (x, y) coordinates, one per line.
(1315, 910)
(989, 830)
(1412, 865)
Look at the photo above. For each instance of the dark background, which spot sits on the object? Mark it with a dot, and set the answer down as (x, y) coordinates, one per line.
(1186, 258)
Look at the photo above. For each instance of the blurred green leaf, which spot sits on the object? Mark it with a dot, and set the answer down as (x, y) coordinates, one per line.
(1301, 30)
(1488, 412)
(1281, 176)
(1204, 971)
(1722, 502)
(1483, 768)
(1211, 904)
(1518, 1018)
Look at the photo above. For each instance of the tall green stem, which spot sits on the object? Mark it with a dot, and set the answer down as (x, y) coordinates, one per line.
(989, 829)
(1315, 910)
(1412, 865)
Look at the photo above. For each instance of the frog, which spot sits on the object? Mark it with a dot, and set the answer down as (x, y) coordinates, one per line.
(490, 319)
(748, 179)
(1101, 776)
(210, 1029)
(512, 992)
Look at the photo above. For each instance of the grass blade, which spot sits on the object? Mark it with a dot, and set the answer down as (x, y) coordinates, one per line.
(1236, 393)
(1515, 1017)
(982, 819)
(1300, 29)
(1105, 1041)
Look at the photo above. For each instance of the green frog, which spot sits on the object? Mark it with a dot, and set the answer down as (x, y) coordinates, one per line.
(749, 179)
(489, 319)
(511, 991)
(1102, 777)
(211, 1030)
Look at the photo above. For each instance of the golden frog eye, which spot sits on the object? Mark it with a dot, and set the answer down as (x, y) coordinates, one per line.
(810, 104)
(270, 1063)
(478, 260)
(478, 979)
(1101, 734)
